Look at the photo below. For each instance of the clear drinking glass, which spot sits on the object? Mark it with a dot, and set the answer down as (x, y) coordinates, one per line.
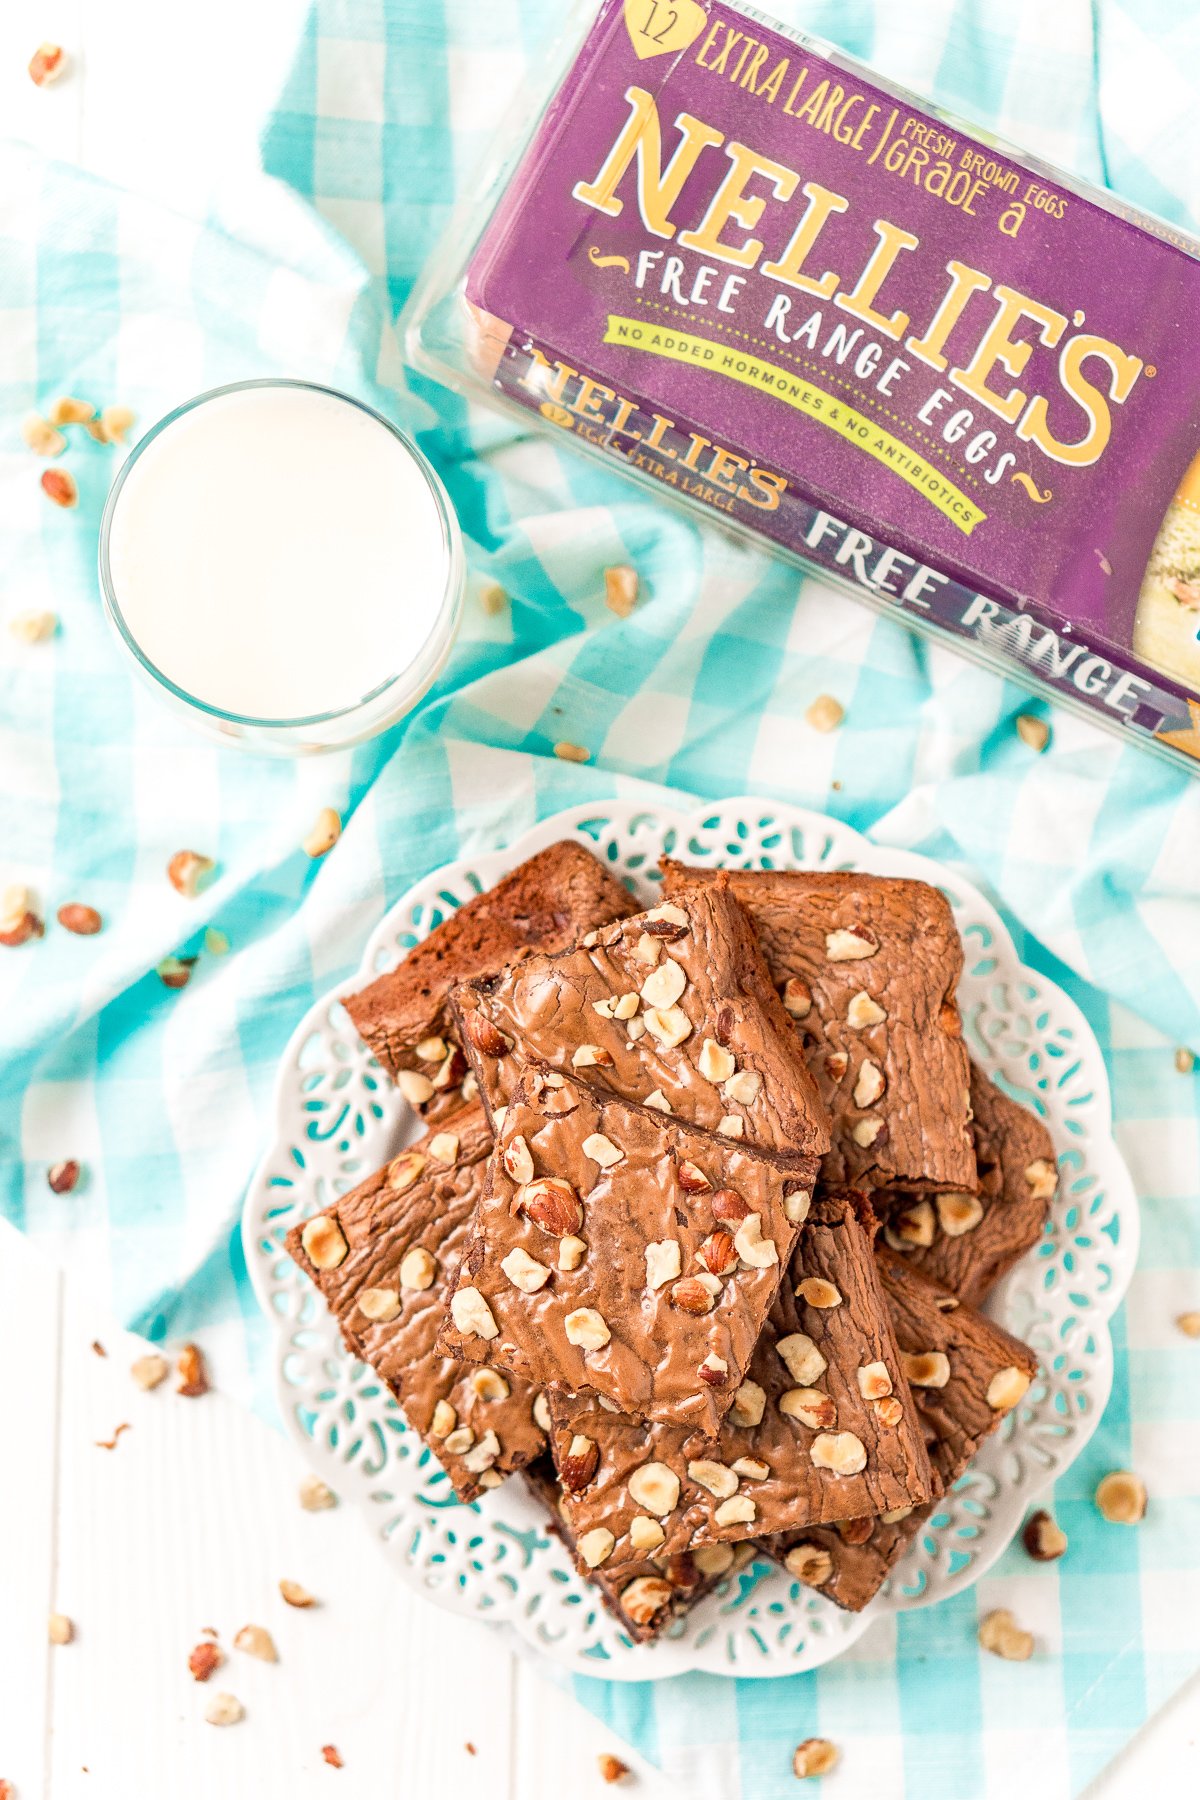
(435, 589)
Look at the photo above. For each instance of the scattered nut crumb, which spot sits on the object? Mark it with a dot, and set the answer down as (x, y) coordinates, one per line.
(327, 829)
(1043, 1538)
(330, 1753)
(255, 1640)
(1189, 1324)
(216, 942)
(1000, 1634)
(470, 1749)
(193, 1375)
(47, 64)
(295, 1595)
(111, 1443)
(63, 1177)
(621, 589)
(176, 971)
(188, 872)
(41, 437)
(315, 1496)
(573, 753)
(204, 1661)
(1185, 1061)
(815, 1756)
(7, 1790)
(67, 410)
(612, 1768)
(79, 920)
(19, 917)
(60, 486)
(98, 1348)
(60, 1629)
(112, 425)
(224, 1709)
(1121, 1498)
(149, 1372)
(493, 599)
(1033, 731)
(825, 713)
(34, 627)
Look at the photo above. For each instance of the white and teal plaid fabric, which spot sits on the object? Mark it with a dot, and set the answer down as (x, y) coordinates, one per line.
(164, 1096)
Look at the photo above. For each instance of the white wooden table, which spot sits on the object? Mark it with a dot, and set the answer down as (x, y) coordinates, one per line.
(193, 1519)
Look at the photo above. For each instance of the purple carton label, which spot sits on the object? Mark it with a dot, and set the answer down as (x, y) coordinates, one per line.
(805, 302)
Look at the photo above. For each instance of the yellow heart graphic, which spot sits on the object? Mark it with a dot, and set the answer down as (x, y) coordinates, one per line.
(663, 27)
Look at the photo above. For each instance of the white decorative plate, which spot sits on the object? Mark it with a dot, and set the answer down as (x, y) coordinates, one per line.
(338, 1118)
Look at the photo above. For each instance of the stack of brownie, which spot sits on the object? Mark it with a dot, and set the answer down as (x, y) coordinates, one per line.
(695, 1237)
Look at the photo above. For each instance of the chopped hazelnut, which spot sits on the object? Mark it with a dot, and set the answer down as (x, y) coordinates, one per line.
(645, 1597)
(825, 714)
(839, 1451)
(418, 1270)
(571, 1252)
(743, 1088)
(572, 753)
(189, 872)
(315, 1496)
(33, 627)
(193, 1375)
(1121, 1498)
(204, 1661)
(149, 1372)
(756, 1251)
(714, 1477)
(60, 1629)
(874, 1382)
(295, 1595)
(602, 1150)
(820, 1294)
(1044, 1540)
(595, 1547)
(654, 1488)
(1189, 1324)
(41, 437)
(621, 590)
(524, 1271)
(255, 1640)
(863, 1012)
(664, 985)
(1033, 731)
(1006, 1388)
(749, 1404)
(324, 1242)
(815, 1756)
(931, 1368)
(740, 1510)
(379, 1305)
(63, 1177)
(671, 1026)
(224, 1709)
(586, 1329)
(67, 410)
(850, 945)
(713, 1559)
(810, 1406)
(809, 1564)
(801, 1358)
(662, 1263)
(1000, 1634)
(417, 1089)
(958, 1213)
(715, 1063)
(797, 997)
(472, 1314)
(325, 832)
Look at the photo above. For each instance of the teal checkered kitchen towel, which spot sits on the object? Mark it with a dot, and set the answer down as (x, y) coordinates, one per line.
(163, 1096)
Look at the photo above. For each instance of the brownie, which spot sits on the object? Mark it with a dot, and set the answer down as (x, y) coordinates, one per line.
(868, 967)
(544, 904)
(968, 1242)
(824, 1429)
(674, 1008)
(984, 1373)
(622, 1253)
(651, 1593)
(399, 1238)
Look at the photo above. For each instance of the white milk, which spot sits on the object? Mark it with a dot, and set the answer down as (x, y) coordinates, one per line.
(276, 552)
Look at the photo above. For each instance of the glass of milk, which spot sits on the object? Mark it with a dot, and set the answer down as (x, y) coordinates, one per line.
(283, 566)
